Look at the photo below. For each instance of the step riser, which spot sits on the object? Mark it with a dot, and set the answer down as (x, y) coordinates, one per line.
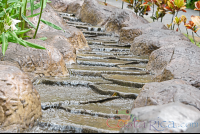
(131, 96)
(98, 74)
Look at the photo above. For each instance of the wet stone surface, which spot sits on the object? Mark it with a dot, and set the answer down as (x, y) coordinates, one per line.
(104, 79)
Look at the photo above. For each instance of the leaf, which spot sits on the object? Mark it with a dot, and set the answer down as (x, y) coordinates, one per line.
(36, 6)
(12, 1)
(34, 45)
(30, 23)
(30, 16)
(51, 24)
(43, 38)
(15, 15)
(32, 6)
(4, 42)
(16, 39)
(45, 3)
(22, 31)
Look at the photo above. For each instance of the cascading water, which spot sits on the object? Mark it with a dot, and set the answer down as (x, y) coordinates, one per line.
(104, 79)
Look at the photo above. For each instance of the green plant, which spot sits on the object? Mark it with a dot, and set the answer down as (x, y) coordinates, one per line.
(13, 12)
(190, 4)
(192, 40)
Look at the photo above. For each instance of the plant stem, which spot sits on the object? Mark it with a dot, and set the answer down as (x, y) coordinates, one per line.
(179, 28)
(197, 34)
(122, 4)
(175, 16)
(39, 20)
(20, 12)
(23, 23)
(153, 11)
(172, 20)
(187, 32)
(193, 38)
(6, 4)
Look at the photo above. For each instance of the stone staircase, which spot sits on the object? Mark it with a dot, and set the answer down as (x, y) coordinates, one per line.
(104, 79)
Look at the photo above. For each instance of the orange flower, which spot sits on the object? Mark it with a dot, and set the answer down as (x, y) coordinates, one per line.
(197, 5)
(148, 8)
(191, 26)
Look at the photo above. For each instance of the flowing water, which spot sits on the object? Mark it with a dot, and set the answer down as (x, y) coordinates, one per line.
(104, 79)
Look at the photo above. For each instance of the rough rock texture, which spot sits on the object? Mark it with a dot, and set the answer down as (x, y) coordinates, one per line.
(70, 6)
(20, 104)
(111, 17)
(159, 93)
(59, 41)
(128, 34)
(168, 118)
(181, 60)
(155, 39)
(195, 128)
(37, 62)
(74, 36)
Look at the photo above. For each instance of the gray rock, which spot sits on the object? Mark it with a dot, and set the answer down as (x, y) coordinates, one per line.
(155, 39)
(128, 34)
(181, 60)
(168, 118)
(111, 17)
(70, 6)
(159, 93)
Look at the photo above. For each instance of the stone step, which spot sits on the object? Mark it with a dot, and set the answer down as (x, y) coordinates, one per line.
(109, 48)
(72, 94)
(105, 109)
(105, 53)
(133, 67)
(102, 62)
(121, 91)
(72, 81)
(77, 23)
(101, 42)
(71, 18)
(97, 33)
(137, 81)
(136, 59)
(106, 38)
(98, 70)
(90, 28)
(62, 121)
(66, 14)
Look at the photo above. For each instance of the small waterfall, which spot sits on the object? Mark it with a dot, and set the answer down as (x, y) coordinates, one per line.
(89, 29)
(95, 29)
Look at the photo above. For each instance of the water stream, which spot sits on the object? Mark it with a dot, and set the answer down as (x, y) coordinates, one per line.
(104, 79)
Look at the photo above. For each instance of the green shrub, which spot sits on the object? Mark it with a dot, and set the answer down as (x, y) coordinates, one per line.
(190, 4)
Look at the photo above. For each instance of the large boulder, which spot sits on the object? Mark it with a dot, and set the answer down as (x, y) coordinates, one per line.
(155, 39)
(180, 60)
(20, 105)
(74, 36)
(59, 41)
(128, 34)
(112, 18)
(159, 93)
(36, 62)
(168, 118)
(70, 6)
